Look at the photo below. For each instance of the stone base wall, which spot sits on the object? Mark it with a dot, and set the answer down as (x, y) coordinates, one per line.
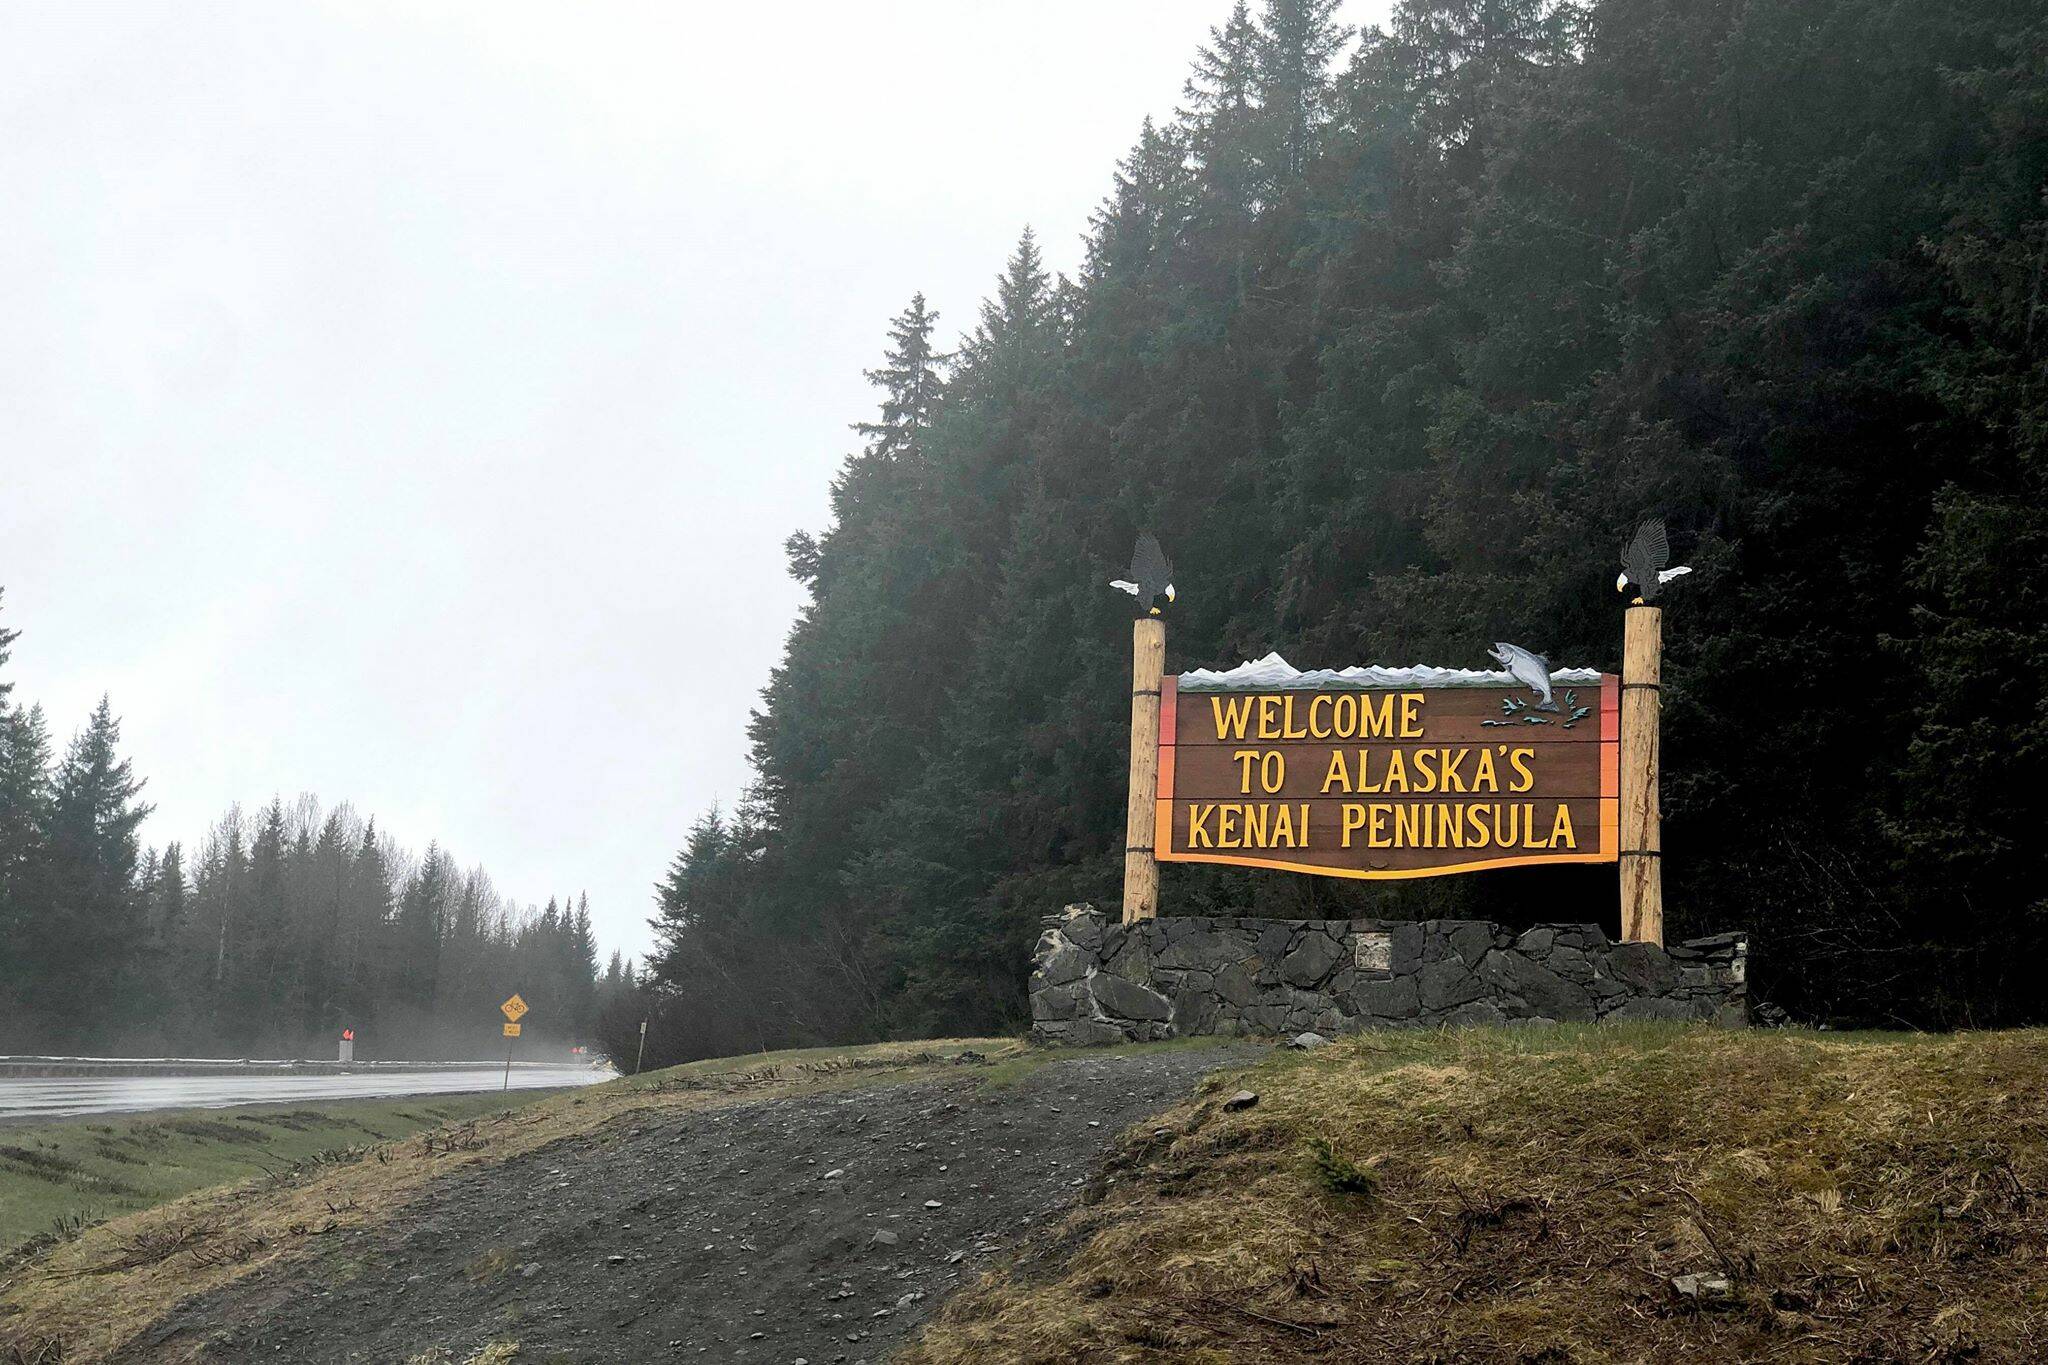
(1098, 981)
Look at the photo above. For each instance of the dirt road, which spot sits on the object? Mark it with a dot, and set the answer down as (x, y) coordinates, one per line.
(821, 1227)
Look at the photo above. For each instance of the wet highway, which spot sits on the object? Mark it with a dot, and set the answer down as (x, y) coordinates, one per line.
(52, 1097)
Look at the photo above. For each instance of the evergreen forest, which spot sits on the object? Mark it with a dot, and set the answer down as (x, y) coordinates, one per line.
(1392, 337)
(282, 927)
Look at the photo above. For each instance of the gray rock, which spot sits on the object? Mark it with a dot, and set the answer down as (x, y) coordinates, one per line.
(1265, 1018)
(1605, 987)
(1542, 990)
(1275, 938)
(1114, 932)
(883, 1238)
(1206, 952)
(1056, 1002)
(1243, 1099)
(1128, 1000)
(1407, 954)
(1307, 1042)
(1701, 1286)
(1395, 999)
(1584, 937)
(1476, 1012)
(1642, 967)
(1447, 982)
(1063, 965)
(1471, 940)
(1311, 960)
(1097, 981)
(1194, 1011)
(1570, 963)
(1132, 960)
(1235, 985)
(1084, 929)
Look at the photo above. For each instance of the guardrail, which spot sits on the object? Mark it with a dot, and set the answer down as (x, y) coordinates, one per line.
(240, 1066)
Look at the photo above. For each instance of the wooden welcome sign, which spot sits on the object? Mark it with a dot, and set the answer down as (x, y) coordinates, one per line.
(1386, 773)
(1400, 772)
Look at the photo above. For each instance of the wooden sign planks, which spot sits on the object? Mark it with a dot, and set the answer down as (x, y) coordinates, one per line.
(1388, 782)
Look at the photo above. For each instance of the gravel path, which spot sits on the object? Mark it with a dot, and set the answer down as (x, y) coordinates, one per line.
(821, 1227)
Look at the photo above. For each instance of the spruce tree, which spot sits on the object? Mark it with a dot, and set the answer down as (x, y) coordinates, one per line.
(1297, 42)
(87, 942)
(24, 858)
(1136, 229)
(416, 931)
(911, 384)
(7, 639)
(1008, 349)
(1221, 117)
(582, 971)
(170, 960)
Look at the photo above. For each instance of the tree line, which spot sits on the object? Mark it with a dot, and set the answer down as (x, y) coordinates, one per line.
(1392, 337)
(281, 927)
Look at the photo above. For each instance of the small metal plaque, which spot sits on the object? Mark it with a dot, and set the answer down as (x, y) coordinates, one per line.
(1373, 952)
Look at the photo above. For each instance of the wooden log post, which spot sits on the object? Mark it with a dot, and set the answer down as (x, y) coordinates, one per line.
(1642, 860)
(1141, 867)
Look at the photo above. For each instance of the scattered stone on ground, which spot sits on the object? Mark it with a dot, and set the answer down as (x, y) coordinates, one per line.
(706, 1232)
(1702, 1286)
(1243, 1099)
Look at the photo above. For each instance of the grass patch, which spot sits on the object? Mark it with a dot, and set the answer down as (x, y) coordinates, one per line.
(497, 1353)
(85, 1295)
(1531, 1194)
(490, 1267)
(54, 1175)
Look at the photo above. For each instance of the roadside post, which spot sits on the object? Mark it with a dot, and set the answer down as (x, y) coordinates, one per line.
(1141, 864)
(512, 1009)
(348, 1046)
(641, 1056)
(1642, 858)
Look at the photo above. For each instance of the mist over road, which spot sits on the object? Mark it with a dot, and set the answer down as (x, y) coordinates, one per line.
(42, 1097)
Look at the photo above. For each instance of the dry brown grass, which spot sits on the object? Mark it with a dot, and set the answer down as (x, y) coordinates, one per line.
(1527, 1195)
(80, 1301)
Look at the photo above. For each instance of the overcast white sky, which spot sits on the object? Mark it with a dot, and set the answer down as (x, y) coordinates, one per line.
(407, 403)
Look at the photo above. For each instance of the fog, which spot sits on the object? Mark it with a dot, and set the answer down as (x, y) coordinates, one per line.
(407, 404)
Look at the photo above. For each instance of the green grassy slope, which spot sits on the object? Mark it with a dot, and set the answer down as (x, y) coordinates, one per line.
(55, 1177)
